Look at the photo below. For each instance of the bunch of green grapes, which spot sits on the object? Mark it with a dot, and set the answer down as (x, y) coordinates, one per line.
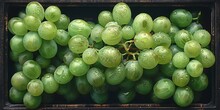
(162, 58)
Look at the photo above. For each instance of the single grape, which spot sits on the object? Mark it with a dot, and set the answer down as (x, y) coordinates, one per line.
(121, 13)
(202, 36)
(31, 102)
(181, 17)
(19, 81)
(142, 22)
(34, 8)
(16, 96)
(47, 30)
(183, 96)
(182, 37)
(104, 17)
(144, 86)
(62, 38)
(16, 44)
(49, 83)
(164, 88)
(83, 85)
(161, 24)
(95, 77)
(148, 59)
(192, 49)
(164, 54)
(128, 32)
(32, 41)
(35, 87)
(143, 40)
(199, 83)
(78, 67)
(194, 68)
(43, 62)
(25, 56)
(90, 56)
(133, 70)
(109, 56)
(206, 57)
(96, 33)
(161, 39)
(115, 76)
(112, 35)
(173, 30)
(180, 77)
(62, 74)
(79, 27)
(19, 28)
(32, 23)
(63, 22)
(180, 60)
(52, 13)
(193, 27)
(78, 44)
(48, 49)
(31, 69)
(126, 96)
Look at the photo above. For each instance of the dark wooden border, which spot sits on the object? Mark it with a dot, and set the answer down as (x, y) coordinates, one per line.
(215, 32)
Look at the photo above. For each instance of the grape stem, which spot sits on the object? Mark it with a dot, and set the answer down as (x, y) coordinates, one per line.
(127, 46)
(198, 16)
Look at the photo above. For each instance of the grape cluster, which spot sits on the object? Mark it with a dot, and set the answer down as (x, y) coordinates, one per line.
(162, 58)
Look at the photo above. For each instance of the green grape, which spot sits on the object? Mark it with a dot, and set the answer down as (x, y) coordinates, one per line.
(148, 59)
(96, 33)
(164, 54)
(11, 23)
(112, 24)
(31, 69)
(143, 22)
(126, 96)
(19, 81)
(206, 57)
(144, 86)
(121, 13)
(47, 30)
(79, 27)
(32, 41)
(202, 36)
(50, 69)
(95, 77)
(180, 77)
(21, 14)
(133, 70)
(49, 83)
(180, 60)
(193, 27)
(183, 96)
(19, 28)
(128, 32)
(115, 76)
(181, 17)
(78, 67)
(83, 85)
(104, 17)
(34, 8)
(161, 24)
(35, 87)
(194, 68)
(112, 35)
(43, 62)
(199, 83)
(109, 56)
(31, 102)
(52, 13)
(16, 44)
(63, 22)
(164, 88)
(91, 24)
(143, 40)
(48, 49)
(32, 23)
(62, 38)
(62, 74)
(173, 30)
(161, 39)
(78, 44)
(16, 96)
(182, 37)
(25, 56)
(192, 49)
(68, 57)
(90, 56)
